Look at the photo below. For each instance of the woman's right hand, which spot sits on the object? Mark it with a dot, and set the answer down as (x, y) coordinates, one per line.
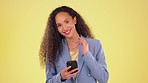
(67, 75)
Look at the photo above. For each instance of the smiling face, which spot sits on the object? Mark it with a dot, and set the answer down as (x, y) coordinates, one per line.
(66, 25)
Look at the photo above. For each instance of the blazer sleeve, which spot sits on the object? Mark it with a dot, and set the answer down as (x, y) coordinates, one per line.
(96, 63)
(51, 74)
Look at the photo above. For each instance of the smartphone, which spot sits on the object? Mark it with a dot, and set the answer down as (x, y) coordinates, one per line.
(73, 65)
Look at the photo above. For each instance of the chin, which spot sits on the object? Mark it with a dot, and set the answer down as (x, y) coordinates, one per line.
(68, 36)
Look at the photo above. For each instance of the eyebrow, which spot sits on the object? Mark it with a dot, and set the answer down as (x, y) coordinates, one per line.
(66, 19)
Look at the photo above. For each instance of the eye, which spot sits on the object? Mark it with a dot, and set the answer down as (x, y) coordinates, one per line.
(59, 25)
(67, 21)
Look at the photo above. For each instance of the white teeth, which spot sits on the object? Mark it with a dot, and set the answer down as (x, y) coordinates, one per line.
(67, 32)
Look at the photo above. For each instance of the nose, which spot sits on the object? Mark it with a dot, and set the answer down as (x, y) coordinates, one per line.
(65, 28)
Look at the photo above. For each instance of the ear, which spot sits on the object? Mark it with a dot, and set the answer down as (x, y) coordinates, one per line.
(75, 20)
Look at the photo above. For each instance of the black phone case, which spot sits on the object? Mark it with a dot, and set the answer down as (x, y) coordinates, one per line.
(73, 65)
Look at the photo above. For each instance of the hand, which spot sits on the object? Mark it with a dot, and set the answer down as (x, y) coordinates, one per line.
(84, 45)
(67, 75)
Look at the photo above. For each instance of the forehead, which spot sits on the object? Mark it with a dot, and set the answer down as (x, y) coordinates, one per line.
(62, 16)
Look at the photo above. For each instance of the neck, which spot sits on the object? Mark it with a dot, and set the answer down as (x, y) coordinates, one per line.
(72, 42)
(72, 39)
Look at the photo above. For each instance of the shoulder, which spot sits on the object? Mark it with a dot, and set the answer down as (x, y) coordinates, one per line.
(94, 44)
(92, 41)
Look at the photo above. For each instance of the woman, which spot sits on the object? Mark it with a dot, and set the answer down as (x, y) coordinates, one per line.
(67, 37)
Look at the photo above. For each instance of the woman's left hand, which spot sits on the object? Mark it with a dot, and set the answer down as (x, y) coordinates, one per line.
(84, 45)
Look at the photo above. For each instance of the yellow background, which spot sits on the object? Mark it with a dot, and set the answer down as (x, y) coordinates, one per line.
(121, 25)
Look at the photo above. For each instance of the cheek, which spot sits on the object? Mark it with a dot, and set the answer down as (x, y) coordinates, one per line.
(72, 26)
(59, 30)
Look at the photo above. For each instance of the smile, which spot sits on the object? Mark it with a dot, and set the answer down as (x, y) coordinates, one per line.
(67, 32)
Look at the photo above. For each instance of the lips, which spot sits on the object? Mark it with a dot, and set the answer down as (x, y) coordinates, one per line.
(67, 32)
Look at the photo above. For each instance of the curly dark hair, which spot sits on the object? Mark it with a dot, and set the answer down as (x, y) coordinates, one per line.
(51, 42)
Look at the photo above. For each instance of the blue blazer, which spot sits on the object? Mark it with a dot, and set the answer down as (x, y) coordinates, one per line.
(92, 66)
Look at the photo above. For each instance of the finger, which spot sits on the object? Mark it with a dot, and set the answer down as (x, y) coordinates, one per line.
(67, 68)
(73, 74)
(76, 69)
(77, 40)
(80, 40)
(83, 41)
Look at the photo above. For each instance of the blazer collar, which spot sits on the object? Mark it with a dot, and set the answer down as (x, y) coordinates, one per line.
(65, 53)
